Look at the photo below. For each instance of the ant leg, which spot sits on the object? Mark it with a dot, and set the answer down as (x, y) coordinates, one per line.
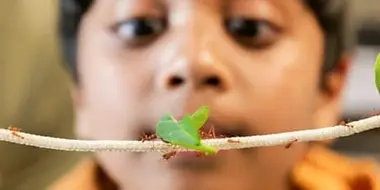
(15, 131)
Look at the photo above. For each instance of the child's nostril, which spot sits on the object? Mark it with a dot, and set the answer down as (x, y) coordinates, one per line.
(175, 81)
(212, 81)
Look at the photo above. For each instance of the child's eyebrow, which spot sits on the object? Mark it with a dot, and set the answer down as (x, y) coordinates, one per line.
(123, 8)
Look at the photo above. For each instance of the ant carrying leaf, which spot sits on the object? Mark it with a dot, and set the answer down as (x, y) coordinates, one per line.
(185, 133)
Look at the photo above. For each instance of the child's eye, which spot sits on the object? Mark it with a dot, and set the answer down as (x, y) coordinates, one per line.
(252, 33)
(140, 31)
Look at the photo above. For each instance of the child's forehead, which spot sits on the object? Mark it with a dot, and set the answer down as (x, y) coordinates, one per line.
(211, 4)
(254, 8)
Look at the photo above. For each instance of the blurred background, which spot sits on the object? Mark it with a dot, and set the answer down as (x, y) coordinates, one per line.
(34, 90)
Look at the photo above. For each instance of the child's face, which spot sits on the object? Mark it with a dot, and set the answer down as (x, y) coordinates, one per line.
(256, 63)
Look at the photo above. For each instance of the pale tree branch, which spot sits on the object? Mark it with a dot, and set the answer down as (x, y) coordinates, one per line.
(221, 143)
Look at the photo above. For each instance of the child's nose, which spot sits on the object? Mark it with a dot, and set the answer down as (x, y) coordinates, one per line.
(205, 80)
(197, 60)
(199, 75)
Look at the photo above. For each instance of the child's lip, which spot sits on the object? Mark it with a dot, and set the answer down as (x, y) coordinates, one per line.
(187, 154)
(191, 155)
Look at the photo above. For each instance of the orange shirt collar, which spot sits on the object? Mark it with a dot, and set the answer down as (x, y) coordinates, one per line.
(321, 169)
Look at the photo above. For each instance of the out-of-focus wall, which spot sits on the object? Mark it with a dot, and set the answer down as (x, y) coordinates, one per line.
(361, 97)
(33, 92)
(366, 9)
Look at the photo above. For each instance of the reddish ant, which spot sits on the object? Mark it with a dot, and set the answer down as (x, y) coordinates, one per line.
(233, 141)
(201, 154)
(146, 137)
(291, 143)
(210, 134)
(15, 131)
(207, 135)
(169, 155)
(346, 124)
(342, 122)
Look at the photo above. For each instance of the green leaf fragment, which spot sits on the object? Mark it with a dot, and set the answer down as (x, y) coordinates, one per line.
(169, 130)
(377, 73)
(188, 125)
(185, 133)
(200, 117)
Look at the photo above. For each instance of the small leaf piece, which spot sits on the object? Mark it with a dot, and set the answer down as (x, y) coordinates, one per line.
(184, 133)
(188, 125)
(200, 116)
(169, 130)
(377, 73)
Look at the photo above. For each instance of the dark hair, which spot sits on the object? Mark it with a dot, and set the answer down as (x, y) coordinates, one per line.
(333, 16)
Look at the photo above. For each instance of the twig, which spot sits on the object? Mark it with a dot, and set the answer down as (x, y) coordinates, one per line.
(220, 143)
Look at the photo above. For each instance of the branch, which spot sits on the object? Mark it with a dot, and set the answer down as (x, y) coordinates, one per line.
(221, 144)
